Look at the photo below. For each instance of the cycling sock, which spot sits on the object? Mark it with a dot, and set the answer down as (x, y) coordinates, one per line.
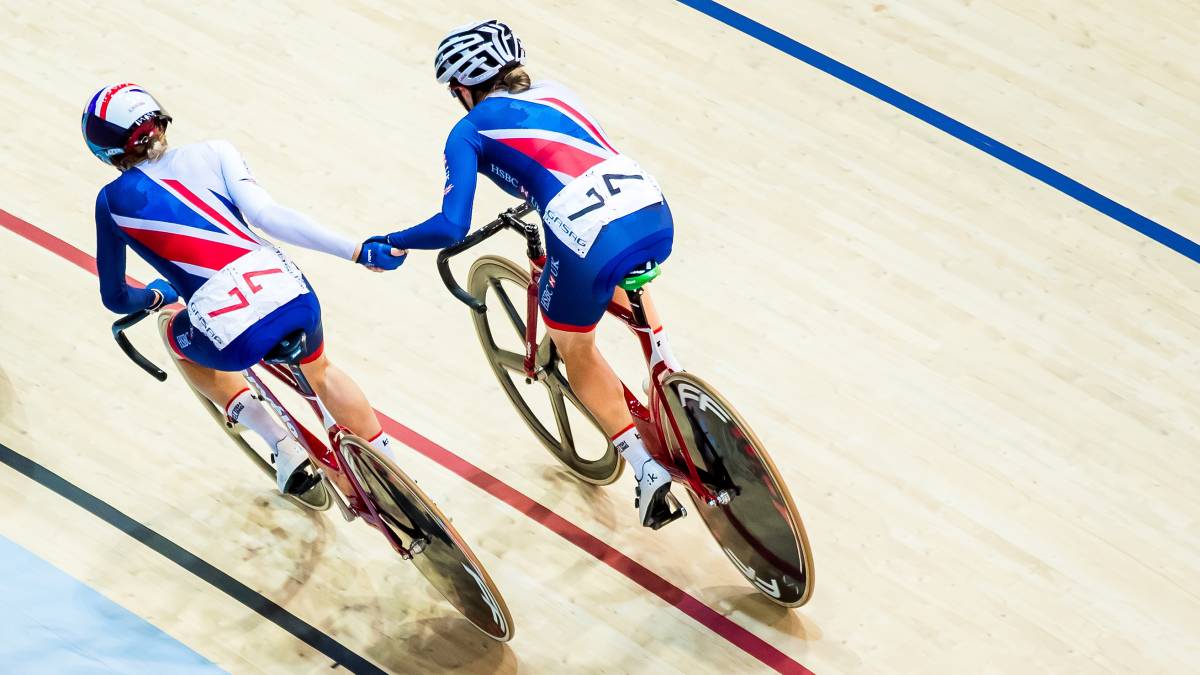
(629, 444)
(245, 409)
(661, 349)
(383, 443)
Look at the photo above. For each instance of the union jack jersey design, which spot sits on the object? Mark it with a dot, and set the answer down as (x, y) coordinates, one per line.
(530, 144)
(177, 214)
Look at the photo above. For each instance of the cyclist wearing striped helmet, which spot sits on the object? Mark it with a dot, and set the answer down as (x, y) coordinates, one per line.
(603, 215)
(187, 211)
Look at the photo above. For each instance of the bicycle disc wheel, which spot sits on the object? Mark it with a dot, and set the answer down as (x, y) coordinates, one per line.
(502, 285)
(759, 529)
(316, 498)
(446, 561)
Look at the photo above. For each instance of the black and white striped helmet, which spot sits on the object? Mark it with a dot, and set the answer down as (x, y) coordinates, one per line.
(475, 52)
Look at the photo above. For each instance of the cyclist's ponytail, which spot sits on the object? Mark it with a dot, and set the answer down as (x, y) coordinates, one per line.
(516, 80)
(511, 78)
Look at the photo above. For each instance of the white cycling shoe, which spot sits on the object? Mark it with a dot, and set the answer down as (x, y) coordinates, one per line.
(290, 459)
(656, 505)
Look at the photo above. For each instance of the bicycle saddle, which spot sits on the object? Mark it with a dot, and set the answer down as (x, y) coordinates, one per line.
(289, 350)
(641, 276)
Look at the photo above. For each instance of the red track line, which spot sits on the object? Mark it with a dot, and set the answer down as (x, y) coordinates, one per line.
(636, 572)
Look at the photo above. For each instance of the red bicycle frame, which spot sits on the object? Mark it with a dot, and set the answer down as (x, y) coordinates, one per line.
(327, 459)
(648, 418)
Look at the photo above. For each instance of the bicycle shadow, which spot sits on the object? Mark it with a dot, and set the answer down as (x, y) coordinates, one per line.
(593, 498)
(441, 644)
(736, 599)
(272, 535)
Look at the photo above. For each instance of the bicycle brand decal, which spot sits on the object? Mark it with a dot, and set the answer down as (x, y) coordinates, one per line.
(771, 588)
(704, 401)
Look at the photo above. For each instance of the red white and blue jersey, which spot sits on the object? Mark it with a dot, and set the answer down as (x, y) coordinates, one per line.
(178, 215)
(534, 143)
(530, 144)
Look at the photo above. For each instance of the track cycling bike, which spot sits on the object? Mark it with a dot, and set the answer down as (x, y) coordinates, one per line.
(687, 426)
(364, 484)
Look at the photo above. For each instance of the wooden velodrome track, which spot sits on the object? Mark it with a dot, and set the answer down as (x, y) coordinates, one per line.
(979, 380)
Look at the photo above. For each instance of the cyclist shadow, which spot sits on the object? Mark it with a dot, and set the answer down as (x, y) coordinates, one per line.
(442, 644)
(293, 544)
(729, 599)
(594, 499)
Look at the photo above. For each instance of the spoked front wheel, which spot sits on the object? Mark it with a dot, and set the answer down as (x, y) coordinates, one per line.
(316, 498)
(503, 287)
(439, 552)
(759, 529)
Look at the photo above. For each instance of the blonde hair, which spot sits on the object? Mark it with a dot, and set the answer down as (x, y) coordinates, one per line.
(515, 81)
(150, 148)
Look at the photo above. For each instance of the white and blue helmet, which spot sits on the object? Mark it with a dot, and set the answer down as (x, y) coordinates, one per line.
(118, 117)
(476, 52)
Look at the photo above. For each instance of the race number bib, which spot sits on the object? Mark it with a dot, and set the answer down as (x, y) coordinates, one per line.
(243, 292)
(610, 190)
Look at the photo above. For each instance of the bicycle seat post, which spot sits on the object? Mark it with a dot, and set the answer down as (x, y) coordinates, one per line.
(288, 353)
(635, 304)
(633, 284)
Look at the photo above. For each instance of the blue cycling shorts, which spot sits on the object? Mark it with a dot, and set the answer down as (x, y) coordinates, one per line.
(574, 292)
(300, 313)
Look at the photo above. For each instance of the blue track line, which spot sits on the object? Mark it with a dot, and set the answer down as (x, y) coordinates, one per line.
(991, 146)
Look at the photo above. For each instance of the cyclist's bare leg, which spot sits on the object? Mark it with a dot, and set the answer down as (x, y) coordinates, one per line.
(592, 379)
(217, 386)
(600, 391)
(660, 344)
(339, 393)
(229, 392)
(343, 397)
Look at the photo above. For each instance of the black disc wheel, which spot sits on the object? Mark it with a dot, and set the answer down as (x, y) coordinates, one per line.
(759, 528)
(439, 552)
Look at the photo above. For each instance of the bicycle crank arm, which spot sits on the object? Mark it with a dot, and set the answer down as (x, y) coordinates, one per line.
(337, 497)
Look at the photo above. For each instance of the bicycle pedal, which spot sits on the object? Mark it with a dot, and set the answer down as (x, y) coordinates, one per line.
(667, 511)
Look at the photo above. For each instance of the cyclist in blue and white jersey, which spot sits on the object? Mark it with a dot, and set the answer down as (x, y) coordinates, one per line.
(604, 216)
(187, 211)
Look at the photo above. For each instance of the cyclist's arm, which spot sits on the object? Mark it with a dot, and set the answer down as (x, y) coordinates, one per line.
(117, 295)
(274, 219)
(451, 224)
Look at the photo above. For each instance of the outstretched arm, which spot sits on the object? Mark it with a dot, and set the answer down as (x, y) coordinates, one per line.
(452, 223)
(273, 219)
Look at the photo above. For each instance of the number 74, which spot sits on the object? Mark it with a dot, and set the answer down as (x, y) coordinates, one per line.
(613, 191)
